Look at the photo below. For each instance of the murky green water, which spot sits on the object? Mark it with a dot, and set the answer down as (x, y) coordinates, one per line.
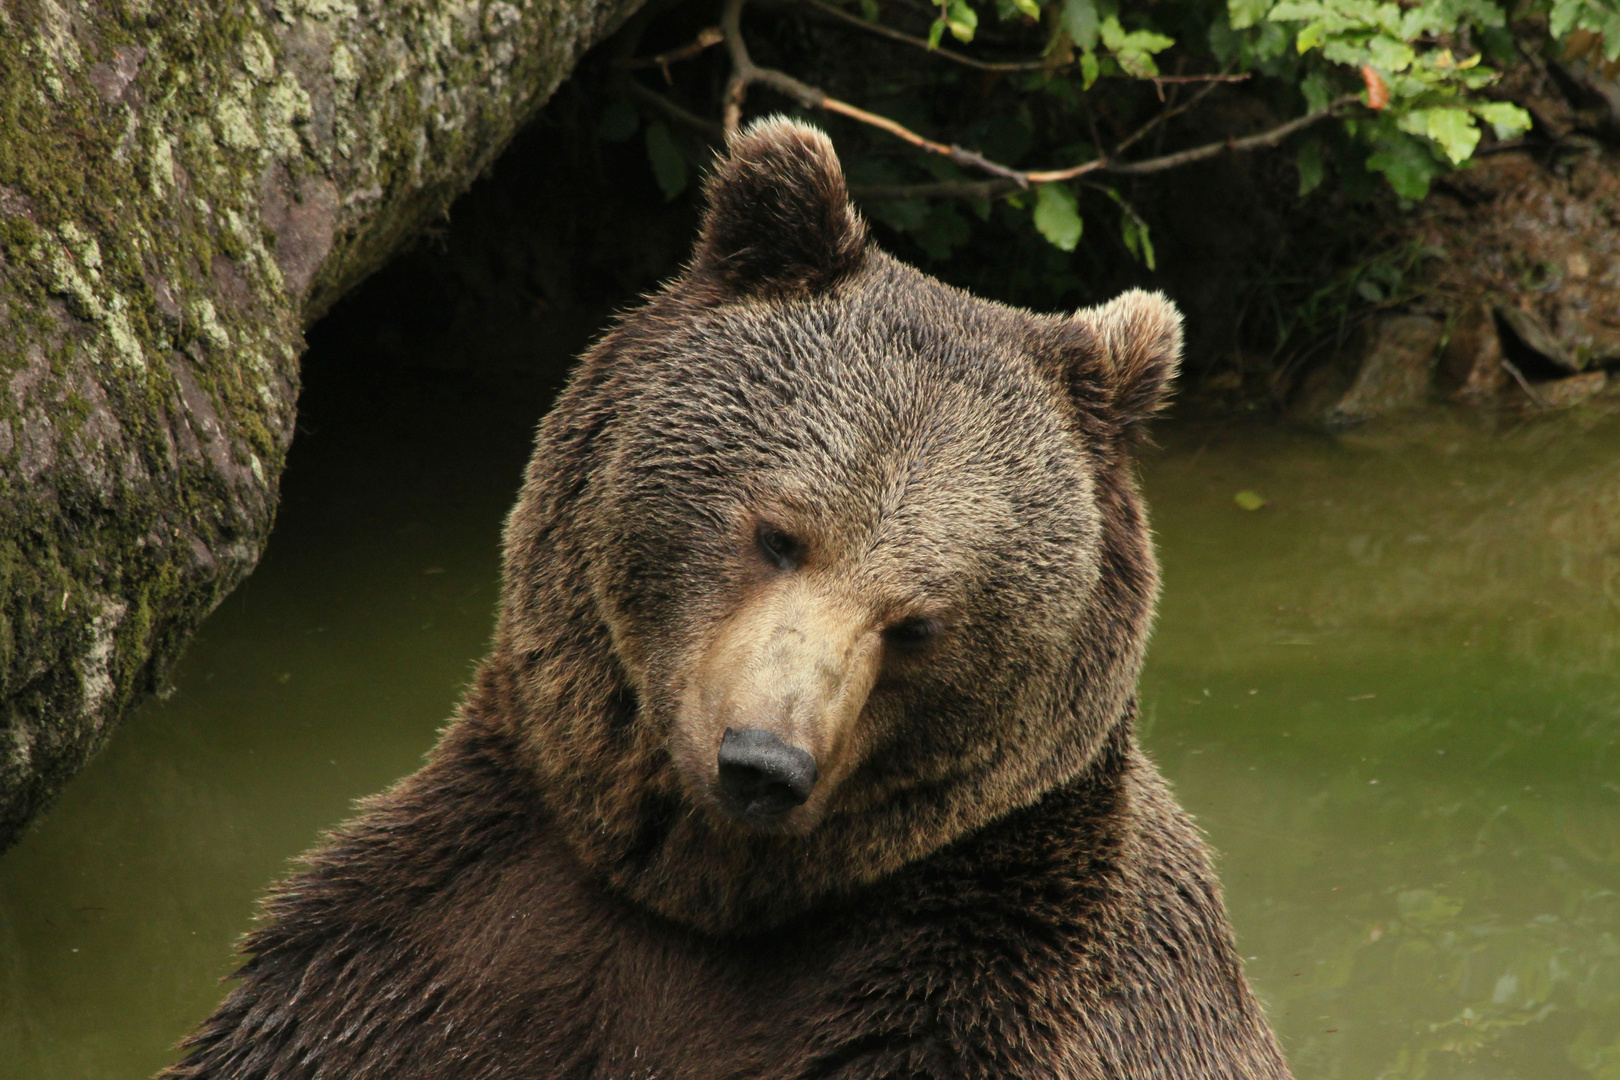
(1391, 696)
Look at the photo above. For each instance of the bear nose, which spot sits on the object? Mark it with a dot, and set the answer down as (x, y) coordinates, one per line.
(763, 775)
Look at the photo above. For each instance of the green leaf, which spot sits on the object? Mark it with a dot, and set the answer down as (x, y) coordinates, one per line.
(1309, 163)
(1081, 20)
(1309, 38)
(961, 19)
(1245, 13)
(1088, 68)
(1508, 120)
(1249, 500)
(1147, 41)
(1387, 54)
(1271, 43)
(1317, 90)
(1113, 34)
(935, 31)
(1028, 7)
(668, 163)
(1134, 50)
(1134, 231)
(1453, 129)
(1057, 215)
(870, 10)
(1296, 11)
(619, 121)
(1563, 16)
(1406, 163)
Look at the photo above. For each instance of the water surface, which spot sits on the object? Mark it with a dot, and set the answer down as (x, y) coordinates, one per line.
(1389, 696)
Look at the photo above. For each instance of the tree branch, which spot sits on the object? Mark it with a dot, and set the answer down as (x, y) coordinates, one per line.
(1162, 115)
(922, 43)
(709, 35)
(659, 103)
(1252, 142)
(745, 73)
(892, 34)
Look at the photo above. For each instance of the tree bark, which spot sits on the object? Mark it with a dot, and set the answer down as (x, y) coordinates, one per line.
(183, 188)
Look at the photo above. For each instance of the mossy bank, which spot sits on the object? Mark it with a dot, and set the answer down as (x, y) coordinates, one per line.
(183, 188)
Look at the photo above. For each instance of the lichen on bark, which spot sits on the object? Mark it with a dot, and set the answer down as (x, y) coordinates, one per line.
(183, 188)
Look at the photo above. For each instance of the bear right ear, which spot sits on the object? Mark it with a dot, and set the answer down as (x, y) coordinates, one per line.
(1116, 360)
(779, 219)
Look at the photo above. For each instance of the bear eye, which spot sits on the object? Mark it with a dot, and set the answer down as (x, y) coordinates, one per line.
(912, 633)
(780, 549)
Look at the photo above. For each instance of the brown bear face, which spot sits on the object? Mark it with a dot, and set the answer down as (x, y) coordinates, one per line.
(862, 539)
(822, 563)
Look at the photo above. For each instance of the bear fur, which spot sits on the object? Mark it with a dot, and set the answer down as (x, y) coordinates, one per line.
(804, 488)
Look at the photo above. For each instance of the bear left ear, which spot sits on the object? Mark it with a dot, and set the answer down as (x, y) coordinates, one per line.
(1118, 360)
(779, 219)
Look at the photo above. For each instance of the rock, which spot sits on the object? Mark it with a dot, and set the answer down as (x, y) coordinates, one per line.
(179, 198)
(1386, 369)
(1587, 81)
(1539, 241)
(1562, 393)
(1531, 334)
(1470, 367)
(1587, 323)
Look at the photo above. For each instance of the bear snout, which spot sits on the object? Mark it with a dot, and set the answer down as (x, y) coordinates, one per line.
(762, 777)
(767, 725)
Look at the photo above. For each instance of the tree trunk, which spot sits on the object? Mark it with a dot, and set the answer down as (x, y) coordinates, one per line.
(182, 191)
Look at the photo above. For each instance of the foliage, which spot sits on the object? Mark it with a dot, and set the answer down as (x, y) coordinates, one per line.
(1057, 215)
(1425, 81)
(1426, 71)
(1399, 92)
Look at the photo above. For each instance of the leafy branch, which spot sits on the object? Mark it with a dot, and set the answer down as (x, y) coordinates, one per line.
(892, 34)
(1406, 78)
(745, 73)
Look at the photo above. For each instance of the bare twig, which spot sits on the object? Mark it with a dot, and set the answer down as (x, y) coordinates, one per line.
(743, 70)
(955, 153)
(952, 55)
(708, 36)
(1524, 384)
(1165, 114)
(658, 102)
(1161, 81)
(1251, 142)
(744, 73)
(922, 43)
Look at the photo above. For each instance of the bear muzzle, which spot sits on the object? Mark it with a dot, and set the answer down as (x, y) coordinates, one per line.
(762, 777)
(767, 726)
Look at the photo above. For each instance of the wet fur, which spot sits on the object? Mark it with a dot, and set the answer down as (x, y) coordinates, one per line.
(1002, 887)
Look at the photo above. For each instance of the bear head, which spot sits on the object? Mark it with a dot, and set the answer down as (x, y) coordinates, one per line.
(821, 564)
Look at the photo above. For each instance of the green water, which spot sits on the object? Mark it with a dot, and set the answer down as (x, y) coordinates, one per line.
(1390, 696)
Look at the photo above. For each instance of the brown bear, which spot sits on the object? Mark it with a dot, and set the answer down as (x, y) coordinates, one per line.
(805, 745)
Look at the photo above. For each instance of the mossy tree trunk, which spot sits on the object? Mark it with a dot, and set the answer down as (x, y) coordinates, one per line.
(183, 188)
